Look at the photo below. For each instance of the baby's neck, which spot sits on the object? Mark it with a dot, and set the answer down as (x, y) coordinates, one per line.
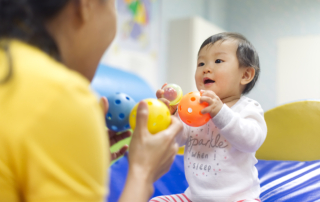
(230, 101)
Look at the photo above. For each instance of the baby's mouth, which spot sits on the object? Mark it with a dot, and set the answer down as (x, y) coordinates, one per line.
(207, 80)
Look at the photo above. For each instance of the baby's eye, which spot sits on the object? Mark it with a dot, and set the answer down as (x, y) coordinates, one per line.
(200, 64)
(218, 61)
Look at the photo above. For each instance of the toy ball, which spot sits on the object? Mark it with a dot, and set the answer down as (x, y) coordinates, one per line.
(173, 93)
(159, 116)
(189, 110)
(120, 106)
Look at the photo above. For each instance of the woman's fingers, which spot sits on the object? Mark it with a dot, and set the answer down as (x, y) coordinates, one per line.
(111, 133)
(174, 128)
(104, 104)
(142, 118)
(114, 137)
(152, 153)
(119, 153)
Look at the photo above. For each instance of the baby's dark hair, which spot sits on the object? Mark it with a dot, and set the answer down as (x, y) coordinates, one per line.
(246, 54)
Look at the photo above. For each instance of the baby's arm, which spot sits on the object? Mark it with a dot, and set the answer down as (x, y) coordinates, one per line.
(246, 131)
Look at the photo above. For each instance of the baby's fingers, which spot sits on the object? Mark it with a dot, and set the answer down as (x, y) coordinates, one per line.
(165, 101)
(206, 99)
(208, 93)
(163, 85)
(206, 110)
(159, 93)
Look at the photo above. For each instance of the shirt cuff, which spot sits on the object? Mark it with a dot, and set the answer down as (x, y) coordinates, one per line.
(223, 117)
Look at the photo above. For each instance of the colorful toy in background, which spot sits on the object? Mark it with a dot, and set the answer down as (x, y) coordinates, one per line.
(173, 93)
(134, 22)
(120, 106)
(189, 110)
(138, 10)
(159, 116)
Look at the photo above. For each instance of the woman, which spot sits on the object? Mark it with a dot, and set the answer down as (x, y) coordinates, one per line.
(53, 144)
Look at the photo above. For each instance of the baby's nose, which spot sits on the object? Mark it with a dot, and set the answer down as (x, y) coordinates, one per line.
(206, 70)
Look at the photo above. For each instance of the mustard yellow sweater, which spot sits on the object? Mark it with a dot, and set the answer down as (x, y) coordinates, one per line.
(53, 146)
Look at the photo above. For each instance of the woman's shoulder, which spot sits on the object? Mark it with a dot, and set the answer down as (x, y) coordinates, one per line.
(39, 84)
(30, 63)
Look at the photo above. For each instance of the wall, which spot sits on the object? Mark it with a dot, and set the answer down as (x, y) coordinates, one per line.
(170, 11)
(213, 10)
(136, 45)
(185, 37)
(264, 22)
(298, 68)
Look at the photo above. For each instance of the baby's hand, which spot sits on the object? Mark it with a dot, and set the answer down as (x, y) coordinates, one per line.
(159, 94)
(215, 104)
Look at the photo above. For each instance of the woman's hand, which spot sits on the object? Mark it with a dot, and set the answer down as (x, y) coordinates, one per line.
(113, 136)
(215, 104)
(159, 94)
(150, 156)
(153, 154)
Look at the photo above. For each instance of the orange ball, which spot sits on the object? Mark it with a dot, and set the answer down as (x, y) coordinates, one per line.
(190, 110)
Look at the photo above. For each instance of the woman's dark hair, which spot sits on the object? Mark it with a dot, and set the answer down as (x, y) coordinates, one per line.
(246, 54)
(25, 20)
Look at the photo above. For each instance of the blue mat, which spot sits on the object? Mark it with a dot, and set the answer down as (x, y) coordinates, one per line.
(109, 80)
(280, 180)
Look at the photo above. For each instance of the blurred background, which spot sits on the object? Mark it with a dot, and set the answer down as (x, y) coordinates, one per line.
(158, 40)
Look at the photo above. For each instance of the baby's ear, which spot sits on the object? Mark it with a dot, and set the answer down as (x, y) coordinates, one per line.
(247, 75)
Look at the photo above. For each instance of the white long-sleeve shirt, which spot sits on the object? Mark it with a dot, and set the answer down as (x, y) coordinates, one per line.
(219, 156)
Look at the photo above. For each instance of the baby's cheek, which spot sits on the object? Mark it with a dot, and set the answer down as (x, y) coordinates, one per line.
(199, 84)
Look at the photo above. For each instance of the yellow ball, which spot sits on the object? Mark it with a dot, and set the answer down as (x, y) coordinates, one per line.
(159, 116)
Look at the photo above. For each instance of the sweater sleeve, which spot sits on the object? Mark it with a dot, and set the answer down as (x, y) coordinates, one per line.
(246, 131)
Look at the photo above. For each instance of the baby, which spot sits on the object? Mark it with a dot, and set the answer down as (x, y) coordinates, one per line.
(219, 156)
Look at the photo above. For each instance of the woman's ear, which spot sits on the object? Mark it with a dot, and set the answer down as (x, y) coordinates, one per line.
(248, 75)
(84, 9)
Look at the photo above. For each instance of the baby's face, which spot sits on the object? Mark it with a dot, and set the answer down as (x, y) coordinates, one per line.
(218, 69)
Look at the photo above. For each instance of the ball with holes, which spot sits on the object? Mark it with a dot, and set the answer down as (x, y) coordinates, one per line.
(173, 93)
(159, 116)
(189, 110)
(120, 106)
